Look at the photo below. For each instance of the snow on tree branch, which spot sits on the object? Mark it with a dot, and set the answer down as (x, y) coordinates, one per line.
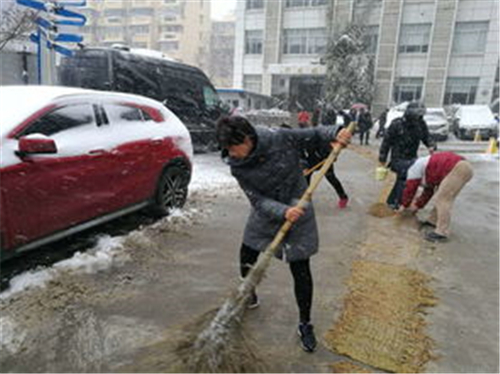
(349, 69)
(15, 22)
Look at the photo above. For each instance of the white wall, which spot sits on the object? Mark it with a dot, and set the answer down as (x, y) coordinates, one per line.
(479, 65)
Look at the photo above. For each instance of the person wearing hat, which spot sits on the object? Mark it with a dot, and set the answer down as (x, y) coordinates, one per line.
(402, 141)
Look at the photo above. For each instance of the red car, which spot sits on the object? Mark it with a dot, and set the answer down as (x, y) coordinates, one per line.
(72, 158)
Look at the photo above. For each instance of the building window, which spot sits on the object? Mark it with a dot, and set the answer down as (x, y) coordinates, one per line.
(470, 37)
(304, 41)
(252, 83)
(366, 2)
(140, 29)
(304, 3)
(169, 46)
(414, 38)
(113, 12)
(141, 12)
(370, 39)
(408, 89)
(171, 28)
(253, 42)
(255, 4)
(171, 14)
(460, 91)
(114, 20)
(113, 31)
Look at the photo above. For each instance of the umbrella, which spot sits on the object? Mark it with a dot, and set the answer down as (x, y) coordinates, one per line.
(359, 106)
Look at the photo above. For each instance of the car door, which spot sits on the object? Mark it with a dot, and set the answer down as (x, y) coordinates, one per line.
(138, 142)
(51, 192)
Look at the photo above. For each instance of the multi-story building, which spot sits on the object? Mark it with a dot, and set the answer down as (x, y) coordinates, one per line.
(178, 28)
(440, 51)
(221, 53)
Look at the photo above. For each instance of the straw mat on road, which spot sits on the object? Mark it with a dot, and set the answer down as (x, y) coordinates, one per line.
(382, 323)
(348, 367)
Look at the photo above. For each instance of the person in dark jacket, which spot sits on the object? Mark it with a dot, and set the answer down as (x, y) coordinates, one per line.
(329, 116)
(382, 119)
(364, 125)
(315, 116)
(442, 173)
(266, 164)
(402, 141)
(311, 157)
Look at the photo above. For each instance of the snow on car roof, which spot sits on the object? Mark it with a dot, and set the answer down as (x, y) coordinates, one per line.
(476, 114)
(19, 102)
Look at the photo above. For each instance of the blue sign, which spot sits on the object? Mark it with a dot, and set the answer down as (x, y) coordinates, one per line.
(48, 37)
(62, 17)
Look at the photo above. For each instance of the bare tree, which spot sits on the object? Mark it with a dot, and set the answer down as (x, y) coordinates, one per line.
(349, 69)
(15, 22)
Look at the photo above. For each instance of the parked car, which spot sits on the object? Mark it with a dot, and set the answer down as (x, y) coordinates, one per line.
(182, 88)
(469, 119)
(437, 123)
(72, 158)
(435, 118)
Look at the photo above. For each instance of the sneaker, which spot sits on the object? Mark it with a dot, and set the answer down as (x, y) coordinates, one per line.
(253, 301)
(307, 338)
(343, 202)
(435, 237)
(427, 224)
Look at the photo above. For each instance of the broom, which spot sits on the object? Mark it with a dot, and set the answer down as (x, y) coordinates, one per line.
(221, 347)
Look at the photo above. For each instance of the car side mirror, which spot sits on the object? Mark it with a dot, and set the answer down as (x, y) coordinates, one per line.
(39, 144)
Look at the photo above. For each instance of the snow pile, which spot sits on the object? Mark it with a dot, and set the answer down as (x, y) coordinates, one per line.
(268, 112)
(11, 336)
(210, 173)
(107, 252)
(177, 220)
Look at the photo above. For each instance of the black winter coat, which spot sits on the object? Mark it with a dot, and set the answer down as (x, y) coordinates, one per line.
(403, 138)
(365, 122)
(329, 117)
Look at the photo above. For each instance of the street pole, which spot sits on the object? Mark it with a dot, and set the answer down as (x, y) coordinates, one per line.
(48, 53)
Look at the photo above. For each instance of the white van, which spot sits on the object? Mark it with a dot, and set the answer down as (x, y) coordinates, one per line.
(469, 119)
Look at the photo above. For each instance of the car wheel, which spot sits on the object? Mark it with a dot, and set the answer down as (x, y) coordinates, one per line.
(172, 190)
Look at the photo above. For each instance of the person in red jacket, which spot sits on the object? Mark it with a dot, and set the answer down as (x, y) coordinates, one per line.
(303, 119)
(443, 174)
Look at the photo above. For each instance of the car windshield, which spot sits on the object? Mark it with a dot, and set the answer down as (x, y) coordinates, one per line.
(435, 115)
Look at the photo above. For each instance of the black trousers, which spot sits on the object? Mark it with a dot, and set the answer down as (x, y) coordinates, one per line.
(400, 167)
(334, 181)
(302, 277)
(364, 135)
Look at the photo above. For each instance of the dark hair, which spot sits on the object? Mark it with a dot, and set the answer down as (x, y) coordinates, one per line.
(233, 130)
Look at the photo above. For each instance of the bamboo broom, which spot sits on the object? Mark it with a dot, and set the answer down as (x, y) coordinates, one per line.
(216, 348)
